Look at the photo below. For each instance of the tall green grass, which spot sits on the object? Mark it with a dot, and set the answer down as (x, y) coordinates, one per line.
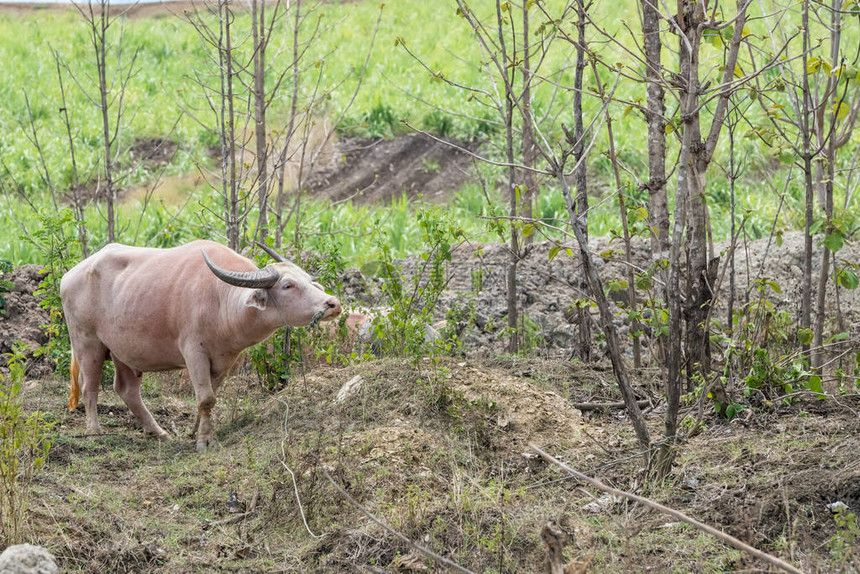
(162, 97)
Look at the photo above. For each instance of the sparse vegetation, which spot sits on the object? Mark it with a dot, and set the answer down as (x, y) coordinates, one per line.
(24, 446)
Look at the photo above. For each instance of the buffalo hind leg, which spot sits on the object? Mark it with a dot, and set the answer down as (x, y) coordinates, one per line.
(91, 361)
(126, 383)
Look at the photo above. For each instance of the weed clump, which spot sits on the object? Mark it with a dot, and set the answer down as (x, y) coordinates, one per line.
(24, 446)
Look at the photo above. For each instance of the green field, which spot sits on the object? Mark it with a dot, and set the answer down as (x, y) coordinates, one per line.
(163, 99)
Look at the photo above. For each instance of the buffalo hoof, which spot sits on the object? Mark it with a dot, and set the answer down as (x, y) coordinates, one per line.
(202, 445)
(163, 436)
(94, 430)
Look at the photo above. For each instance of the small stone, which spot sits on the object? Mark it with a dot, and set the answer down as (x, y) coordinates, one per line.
(27, 559)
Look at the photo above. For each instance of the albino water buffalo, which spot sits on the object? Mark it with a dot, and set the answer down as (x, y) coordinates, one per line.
(196, 306)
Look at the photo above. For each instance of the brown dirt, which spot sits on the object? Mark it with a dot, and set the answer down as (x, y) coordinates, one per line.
(437, 451)
(374, 171)
(22, 319)
(136, 10)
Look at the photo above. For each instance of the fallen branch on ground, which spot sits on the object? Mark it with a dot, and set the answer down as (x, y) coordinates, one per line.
(731, 540)
(412, 543)
(606, 406)
(252, 507)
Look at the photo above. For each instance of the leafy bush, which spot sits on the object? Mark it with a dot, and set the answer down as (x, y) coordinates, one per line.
(55, 239)
(24, 446)
(5, 286)
(403, 330)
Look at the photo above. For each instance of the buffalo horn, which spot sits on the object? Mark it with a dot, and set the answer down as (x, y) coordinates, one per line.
(272, 253)
(259, 279)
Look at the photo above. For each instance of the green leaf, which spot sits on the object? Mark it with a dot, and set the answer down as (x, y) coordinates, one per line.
(834, 241)
(812, 64)
(643, 281)
(553, 251)
(840, 110)
(816, 226)
(731, 411)
(804, 336)
(847, 278)
(815, 384)
(615, 285)
(778, 238)
(786, 157)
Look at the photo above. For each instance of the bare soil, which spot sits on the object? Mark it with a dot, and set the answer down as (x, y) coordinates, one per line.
(22, 319)
(438, 451)
(376, 171)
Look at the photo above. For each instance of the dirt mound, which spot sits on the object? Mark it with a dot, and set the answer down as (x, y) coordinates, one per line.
(433, 449)
(22, 319)
(547, 289)
(372, 171)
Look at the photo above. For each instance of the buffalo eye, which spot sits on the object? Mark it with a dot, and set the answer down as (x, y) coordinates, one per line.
(288, 284)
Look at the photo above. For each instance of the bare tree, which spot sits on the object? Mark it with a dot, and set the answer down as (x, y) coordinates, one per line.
(110, 97)
(78, 203)
(529, 153)
(658, 205)
(260, 43)
(813, 111)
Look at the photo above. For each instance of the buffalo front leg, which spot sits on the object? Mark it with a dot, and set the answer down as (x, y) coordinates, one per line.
(126, 383)
(201, 380)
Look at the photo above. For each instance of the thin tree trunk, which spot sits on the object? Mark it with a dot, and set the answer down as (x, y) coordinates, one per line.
(696, 344)
(529, 184)
(230, 134)
(658, 205)
(628, 255)
(513, 314)
(806, 287)
(282, 160)
(100, 39)
(829, 168)
(79, 207)
(824, 274)
(258, 28)
(606, 319)
(580, 179)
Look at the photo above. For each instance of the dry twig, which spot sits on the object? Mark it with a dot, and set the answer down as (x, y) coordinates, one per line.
(731, 540)
(424, 550)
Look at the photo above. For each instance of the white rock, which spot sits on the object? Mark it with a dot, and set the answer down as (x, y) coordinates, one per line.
(349, 389)
(27, 559)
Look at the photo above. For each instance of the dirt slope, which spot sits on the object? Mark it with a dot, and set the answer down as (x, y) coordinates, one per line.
(375, 171)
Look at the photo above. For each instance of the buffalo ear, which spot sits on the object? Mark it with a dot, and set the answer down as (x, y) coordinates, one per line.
(258, 299)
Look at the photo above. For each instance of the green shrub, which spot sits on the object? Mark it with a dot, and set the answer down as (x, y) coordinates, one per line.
(5, 286)
(24, 446)
(403, 330)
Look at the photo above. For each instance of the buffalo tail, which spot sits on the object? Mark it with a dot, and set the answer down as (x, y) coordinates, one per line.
(74, 387)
